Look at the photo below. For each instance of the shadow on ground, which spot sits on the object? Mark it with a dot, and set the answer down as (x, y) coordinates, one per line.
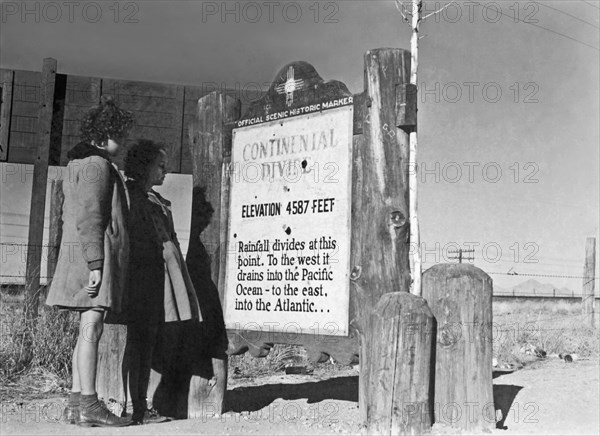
(504, 396)
(254, 398)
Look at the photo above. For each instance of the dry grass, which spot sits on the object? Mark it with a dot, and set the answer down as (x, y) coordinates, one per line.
(554, 327)
(44, 346)
(33, 345)
(280, 356)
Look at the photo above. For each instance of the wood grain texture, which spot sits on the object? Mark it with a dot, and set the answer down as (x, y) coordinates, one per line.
(24, 117)
(208, 376)
(111, 373)
(6, 83)
(379, 255)
(460, 297)
(81, 95)
(40, 175)
(398, 359)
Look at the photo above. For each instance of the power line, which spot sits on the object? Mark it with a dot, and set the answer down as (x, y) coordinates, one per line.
(591, 4)
(545, 28)
(567, 14)
(539, 275)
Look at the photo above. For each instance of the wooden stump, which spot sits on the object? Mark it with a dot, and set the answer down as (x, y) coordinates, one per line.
(399, 358)
(460, 297)
(111, 380)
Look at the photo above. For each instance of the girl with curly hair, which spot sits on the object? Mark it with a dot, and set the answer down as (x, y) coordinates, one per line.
(90, 273)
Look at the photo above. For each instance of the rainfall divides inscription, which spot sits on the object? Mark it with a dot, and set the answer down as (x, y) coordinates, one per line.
(289, 224)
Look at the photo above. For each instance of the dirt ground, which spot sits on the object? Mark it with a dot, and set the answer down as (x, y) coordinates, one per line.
(549, 397)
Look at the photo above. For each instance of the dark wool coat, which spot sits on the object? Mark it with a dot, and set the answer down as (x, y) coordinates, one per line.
(95, 234)
(146, 277)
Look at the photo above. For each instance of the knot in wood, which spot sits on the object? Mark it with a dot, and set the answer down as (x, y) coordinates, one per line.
(398, 218)
(355, 273)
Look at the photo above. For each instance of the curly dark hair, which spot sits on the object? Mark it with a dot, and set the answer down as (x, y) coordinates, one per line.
(140, 156)
(105, 121)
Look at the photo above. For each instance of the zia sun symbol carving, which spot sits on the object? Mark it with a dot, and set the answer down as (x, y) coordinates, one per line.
(289, 86)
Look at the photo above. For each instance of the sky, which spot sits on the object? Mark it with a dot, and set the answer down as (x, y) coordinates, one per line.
(509, 101)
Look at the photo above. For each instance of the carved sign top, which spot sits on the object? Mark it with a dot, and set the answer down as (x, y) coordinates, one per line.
(297, 90)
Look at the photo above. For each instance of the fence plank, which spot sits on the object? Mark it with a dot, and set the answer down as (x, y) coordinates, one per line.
(7, 82)
(81, 95)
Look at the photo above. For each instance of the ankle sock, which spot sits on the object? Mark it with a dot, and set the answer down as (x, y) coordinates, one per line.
(74, 399)
(90, 402)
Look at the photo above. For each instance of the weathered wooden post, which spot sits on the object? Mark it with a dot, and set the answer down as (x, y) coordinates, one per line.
(199, 388)
(111, 380)
(7, 80)
(398, 351)
(38, 195)
(396, 327)
(589, 281)
(460, 297)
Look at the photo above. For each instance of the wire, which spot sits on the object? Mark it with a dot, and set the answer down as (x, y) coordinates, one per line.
(591, 4)
(567, 14)
(22, 277)
(15, 244)
(541, 275)
(545, 28)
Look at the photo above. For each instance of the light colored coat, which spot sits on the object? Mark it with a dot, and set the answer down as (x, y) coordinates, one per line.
(94, 236)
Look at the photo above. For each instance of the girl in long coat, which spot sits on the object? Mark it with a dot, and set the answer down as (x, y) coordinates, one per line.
(91, 269)
(159, 287)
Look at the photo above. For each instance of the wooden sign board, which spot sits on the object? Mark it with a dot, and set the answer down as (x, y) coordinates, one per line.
(286, 196)
(288, 254)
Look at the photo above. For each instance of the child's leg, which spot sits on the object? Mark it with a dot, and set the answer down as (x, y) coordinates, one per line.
(146, 361)
(141, 341)
(132, 355)
(90, 331)
(93, 413)
(71, 412)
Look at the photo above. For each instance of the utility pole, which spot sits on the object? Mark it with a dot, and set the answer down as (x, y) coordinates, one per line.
(460, 255)
(416, 17)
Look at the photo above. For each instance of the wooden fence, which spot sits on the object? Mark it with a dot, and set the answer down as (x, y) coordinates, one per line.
(163, 112)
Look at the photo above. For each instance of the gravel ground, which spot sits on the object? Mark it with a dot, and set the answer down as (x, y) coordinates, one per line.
(550, 397)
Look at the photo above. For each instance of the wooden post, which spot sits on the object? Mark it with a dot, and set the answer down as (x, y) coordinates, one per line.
(7, 78)
(38, 195)
(460, 297)
(111, 380)
(380, 257)
(399, 361)
(589, 281)
(198, 389)
(211, 148)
